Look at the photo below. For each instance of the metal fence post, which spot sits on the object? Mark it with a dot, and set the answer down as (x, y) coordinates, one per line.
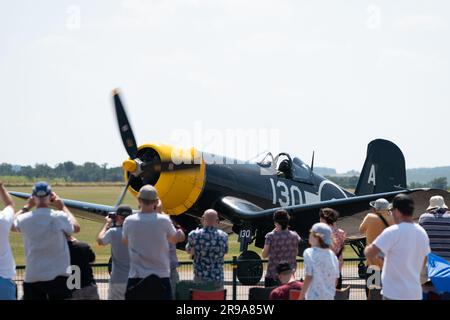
(235, 265)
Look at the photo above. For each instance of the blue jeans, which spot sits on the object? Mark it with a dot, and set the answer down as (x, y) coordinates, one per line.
(7, 289)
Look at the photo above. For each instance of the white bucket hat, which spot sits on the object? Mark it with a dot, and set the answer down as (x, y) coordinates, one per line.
(437, 202)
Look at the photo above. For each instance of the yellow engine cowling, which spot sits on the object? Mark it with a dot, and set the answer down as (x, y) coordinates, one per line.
(178, 189)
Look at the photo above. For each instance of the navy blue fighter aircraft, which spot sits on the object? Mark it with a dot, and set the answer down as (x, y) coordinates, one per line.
(247, 194)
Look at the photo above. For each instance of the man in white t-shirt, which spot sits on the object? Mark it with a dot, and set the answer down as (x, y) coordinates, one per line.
(7, 265)
(147, 235)
(405, 245)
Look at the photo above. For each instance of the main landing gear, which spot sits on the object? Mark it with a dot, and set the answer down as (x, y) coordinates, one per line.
(249, 264)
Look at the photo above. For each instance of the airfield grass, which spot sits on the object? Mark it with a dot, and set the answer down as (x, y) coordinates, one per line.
(89, 229)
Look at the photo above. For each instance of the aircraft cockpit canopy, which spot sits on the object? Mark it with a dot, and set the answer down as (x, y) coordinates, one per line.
(265, 160)
(299, 171)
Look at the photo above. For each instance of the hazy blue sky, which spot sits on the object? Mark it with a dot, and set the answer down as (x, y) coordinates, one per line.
(328, 75)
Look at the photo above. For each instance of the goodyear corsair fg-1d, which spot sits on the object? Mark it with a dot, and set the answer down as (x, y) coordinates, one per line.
(247, 194)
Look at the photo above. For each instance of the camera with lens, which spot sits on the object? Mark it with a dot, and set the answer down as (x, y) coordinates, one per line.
(112, 215)
(123, 211)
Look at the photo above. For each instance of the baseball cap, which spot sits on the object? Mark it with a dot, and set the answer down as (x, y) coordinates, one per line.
(41, 189)
(148, 192)
(437, 202)
(124, 210)
(380, 204)
(324, 231)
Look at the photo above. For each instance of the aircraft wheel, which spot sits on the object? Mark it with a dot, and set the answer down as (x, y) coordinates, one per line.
(250, 268)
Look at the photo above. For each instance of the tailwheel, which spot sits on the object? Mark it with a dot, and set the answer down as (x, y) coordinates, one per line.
(358, 244)
(250, 268)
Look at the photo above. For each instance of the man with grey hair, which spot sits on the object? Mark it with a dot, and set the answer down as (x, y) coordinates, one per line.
(208, 247)
(47, 253)
(147, 234)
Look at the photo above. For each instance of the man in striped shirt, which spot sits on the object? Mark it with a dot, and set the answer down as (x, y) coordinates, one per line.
(436, 222)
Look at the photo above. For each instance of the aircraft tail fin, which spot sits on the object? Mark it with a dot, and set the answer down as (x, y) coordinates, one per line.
(384, 169)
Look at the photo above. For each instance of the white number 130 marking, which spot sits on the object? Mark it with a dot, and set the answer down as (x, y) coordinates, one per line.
(288, 196)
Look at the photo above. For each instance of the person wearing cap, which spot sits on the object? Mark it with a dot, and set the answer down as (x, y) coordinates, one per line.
(7, 265)
(405, 245)
(111, 234)
(147, 234)
(436, 222)
(208, 246)
(330, 217)
(47, 254)
(281, 245)
(321, 265)
(286, 275)
(371, 227)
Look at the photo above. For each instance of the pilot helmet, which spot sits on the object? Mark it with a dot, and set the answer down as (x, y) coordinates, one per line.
(284, 166)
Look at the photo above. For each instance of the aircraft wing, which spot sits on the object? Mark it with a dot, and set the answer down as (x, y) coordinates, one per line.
(248, 211)
(85, 210)
(352, 210)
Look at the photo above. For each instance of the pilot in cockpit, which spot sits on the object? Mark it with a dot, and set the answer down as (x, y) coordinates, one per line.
(285, 169)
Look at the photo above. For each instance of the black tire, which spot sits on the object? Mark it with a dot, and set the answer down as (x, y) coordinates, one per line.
(250, 268)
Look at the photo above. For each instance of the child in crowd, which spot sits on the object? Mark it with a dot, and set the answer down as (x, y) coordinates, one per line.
(321, 265)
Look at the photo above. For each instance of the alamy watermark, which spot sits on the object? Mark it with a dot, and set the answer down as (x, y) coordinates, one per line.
(226, 146)
(73, 17)
(373, 21)
(74, 279)
(374, 278)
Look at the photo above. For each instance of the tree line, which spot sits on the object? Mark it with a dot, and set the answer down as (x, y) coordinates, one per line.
(350, 182)
(93, 172)
(65, 172)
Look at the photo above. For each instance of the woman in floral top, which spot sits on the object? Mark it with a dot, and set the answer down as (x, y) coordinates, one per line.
(330, 216)
(281, 246)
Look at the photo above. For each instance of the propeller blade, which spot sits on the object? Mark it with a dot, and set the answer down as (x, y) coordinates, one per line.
(126, 132)
(124, 192)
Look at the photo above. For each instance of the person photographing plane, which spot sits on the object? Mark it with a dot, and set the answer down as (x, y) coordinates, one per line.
(111, 234)
(147, 235)
(47, 254)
